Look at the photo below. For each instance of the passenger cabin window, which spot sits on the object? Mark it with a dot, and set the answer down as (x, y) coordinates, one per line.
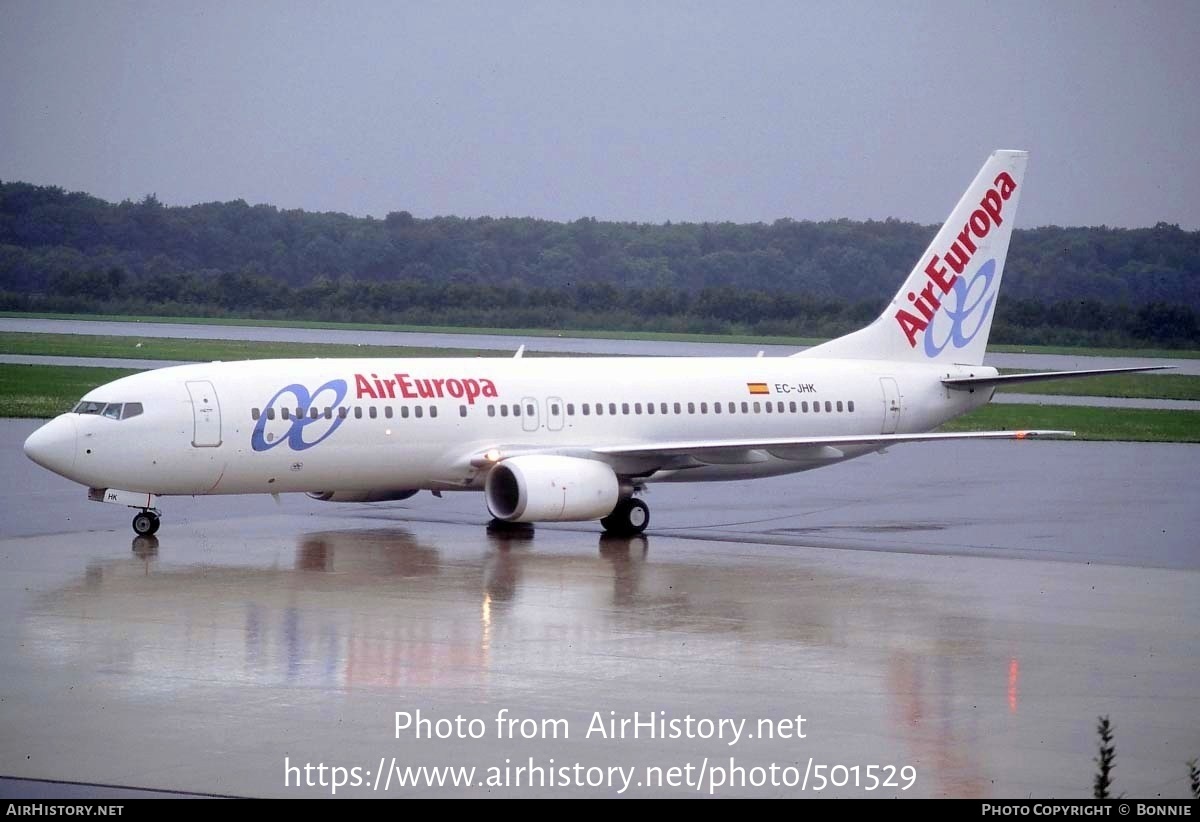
(357, 412)
(462, 410)
(850, 406)
(254, 413)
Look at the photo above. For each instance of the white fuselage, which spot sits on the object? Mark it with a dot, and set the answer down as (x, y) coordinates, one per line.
(380, 424)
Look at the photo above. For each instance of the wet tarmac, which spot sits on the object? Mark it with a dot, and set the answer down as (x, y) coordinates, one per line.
(966, 609)
(559, 344)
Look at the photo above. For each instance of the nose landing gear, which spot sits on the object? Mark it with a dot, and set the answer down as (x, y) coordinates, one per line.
(145, 523)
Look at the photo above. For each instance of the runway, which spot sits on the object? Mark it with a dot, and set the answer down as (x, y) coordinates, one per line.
(965, 609)
(563, 344)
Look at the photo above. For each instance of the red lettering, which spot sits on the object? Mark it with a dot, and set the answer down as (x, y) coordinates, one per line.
(980, 223)
(957, 257)
(992, 204)
(1005, 184)
(938, 275)
(925, 309)
(964, 238)
(927, 295)
(363, 387)
(406, 387)
(911, 325)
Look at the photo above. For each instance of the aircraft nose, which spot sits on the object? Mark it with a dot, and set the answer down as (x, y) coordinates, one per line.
(53, 445)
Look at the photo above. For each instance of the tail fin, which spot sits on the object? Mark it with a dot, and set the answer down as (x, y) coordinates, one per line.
(943, 312)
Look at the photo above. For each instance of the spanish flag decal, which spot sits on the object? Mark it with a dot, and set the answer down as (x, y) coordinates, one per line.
(758, 388)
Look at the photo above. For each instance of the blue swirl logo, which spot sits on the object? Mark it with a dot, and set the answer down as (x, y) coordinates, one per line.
(967, 311)
(260, 440)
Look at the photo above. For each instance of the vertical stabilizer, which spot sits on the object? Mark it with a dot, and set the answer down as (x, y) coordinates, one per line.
(943, 312)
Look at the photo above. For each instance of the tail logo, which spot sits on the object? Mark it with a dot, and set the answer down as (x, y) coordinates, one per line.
(941, 282)
(972, 304)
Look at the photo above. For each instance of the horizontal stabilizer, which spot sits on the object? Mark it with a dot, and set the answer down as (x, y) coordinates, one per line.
(1041, 376)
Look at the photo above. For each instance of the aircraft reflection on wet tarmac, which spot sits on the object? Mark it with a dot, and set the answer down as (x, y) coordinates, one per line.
(382, 609)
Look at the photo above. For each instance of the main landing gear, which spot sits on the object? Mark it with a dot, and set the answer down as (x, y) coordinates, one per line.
(629, 518)
(145, 523)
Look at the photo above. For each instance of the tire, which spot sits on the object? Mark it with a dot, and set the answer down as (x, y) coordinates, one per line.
(628, 519)
(145, 524)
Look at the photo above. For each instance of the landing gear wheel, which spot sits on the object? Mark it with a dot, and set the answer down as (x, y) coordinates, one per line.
(629, 518)
(145, 524)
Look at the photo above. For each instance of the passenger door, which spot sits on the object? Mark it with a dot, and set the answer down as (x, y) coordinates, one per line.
(206, 414)
(891, 405)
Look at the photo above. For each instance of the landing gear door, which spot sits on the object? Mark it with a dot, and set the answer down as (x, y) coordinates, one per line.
(206, 414)
(891, 405)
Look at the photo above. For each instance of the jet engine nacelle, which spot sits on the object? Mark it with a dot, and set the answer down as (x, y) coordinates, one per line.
(363, 496)
(544, 488)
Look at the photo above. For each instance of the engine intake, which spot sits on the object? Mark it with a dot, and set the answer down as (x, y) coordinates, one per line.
(544, 488)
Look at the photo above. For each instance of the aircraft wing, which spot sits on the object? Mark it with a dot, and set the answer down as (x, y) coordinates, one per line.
(733, 451)
(702, 447)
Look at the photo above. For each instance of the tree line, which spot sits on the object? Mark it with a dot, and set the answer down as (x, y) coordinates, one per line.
(63, 251)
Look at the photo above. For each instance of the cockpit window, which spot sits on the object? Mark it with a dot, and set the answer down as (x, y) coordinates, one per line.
(112, 410)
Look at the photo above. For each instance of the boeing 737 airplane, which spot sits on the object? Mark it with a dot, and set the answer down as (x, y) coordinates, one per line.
(560, 439)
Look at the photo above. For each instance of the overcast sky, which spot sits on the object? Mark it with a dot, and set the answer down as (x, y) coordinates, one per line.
(679, 111)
